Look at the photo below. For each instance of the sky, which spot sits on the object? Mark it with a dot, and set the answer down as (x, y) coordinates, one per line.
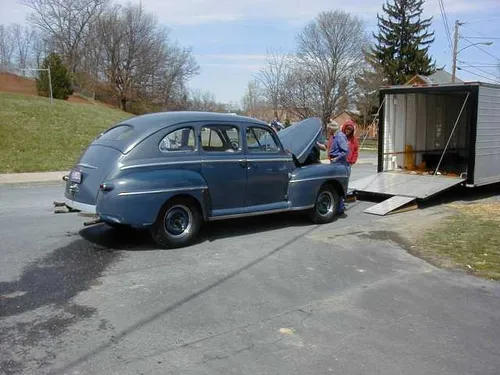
(230, 39)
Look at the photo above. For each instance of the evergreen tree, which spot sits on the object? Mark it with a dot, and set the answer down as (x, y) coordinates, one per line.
(403, 41)
(61, 81)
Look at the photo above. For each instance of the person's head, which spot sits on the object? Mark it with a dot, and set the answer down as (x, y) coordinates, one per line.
(332, 128)
(348, 128)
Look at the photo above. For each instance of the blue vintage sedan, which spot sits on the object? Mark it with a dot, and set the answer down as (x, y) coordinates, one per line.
(171, 172)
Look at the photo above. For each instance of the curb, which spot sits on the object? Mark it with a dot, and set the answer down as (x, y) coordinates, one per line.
(23, 178)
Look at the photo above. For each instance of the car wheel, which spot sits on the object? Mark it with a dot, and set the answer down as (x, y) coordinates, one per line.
(177, 224)
(326, 205)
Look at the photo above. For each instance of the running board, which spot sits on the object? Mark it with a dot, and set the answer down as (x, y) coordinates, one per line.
(393, 205)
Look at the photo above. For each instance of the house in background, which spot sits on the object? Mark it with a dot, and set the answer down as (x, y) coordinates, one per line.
(370, 131)
(439, 77)
(343, 117)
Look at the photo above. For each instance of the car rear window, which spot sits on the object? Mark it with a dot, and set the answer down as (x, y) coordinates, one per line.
(118, 133)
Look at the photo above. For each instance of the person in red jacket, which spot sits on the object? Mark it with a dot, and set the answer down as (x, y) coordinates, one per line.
(349, 128)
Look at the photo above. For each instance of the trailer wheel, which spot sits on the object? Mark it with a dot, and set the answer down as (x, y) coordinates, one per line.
(326, 205)
(177, 224)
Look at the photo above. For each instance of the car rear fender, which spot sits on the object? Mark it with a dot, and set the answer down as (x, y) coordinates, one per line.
(135, 198)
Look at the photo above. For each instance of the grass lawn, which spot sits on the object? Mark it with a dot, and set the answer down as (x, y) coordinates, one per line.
(369, 145)
(469, 239)
(37, 136)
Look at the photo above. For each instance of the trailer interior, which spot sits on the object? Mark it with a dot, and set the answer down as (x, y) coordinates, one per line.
(426, 133)
(424, 144)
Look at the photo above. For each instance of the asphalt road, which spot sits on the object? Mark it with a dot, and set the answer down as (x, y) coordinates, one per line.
(270, 295)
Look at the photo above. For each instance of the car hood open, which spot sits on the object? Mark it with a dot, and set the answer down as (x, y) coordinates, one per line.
(301, 137)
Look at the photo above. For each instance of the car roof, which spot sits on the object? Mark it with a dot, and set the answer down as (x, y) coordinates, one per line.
(148, 124)
(155, 121)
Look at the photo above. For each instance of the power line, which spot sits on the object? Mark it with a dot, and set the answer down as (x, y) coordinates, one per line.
(482, 37)
(482, 49)
(481, 64)
(486, 20)
(479, 75)
(483, 71)
(445, 21)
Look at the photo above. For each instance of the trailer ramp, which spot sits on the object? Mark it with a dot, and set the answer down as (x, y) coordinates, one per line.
(404, 189)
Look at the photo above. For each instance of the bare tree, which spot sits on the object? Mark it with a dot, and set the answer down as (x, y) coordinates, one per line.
(66, 23)
(253, 97)
(38, 50)
(300, 99)
(272, 79)
(368, 83)
(330, 51)
(137, 60)
(23, 38)
(7, 46)
(179, 66)
(204, 101)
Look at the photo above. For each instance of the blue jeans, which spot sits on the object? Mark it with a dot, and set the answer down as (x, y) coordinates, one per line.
(348, 172)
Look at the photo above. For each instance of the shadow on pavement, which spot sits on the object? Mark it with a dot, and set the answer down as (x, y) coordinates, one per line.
(129, 239)
(55, 278)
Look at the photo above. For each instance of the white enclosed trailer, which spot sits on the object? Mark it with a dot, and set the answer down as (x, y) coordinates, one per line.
(432, 138)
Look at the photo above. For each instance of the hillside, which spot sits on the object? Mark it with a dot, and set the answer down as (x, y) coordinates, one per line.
(12, 83)
(17, 84)
(38, 136)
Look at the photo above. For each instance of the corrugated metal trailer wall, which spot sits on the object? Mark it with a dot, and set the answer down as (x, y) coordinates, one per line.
(487, 163)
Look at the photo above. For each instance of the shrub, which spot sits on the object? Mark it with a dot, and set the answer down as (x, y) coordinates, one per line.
(61, 81)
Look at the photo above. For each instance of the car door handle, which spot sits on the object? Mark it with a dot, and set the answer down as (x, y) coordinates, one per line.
(243, 163)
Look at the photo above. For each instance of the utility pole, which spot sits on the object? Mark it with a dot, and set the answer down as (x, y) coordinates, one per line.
(50, 86)
(455, 50)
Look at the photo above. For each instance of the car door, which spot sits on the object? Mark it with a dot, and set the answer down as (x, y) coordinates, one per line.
(268, 167)
(223, 166)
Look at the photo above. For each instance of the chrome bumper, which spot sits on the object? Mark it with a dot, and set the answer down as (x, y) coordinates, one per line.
(87, 208)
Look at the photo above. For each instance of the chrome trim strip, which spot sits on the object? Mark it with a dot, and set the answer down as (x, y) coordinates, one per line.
(166, 163)
(80, 206)
(310, 179)
(240, 160)
(159, 164)
(269, 160)
(188, 188)
(247, 214)
(303, 207)
(85, 165)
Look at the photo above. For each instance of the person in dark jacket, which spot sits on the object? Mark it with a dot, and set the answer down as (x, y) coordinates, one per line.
(338, 155)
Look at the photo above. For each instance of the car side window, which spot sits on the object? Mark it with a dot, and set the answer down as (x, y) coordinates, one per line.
(260, 141)
(220, 138)
(182, 139)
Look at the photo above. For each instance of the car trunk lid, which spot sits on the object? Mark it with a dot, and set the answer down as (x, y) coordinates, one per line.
(95, 164)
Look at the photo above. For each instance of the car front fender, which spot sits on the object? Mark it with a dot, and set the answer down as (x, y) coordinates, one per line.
(305, 183)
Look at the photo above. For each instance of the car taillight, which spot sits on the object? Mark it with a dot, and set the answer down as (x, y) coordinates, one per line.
(106, 186)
